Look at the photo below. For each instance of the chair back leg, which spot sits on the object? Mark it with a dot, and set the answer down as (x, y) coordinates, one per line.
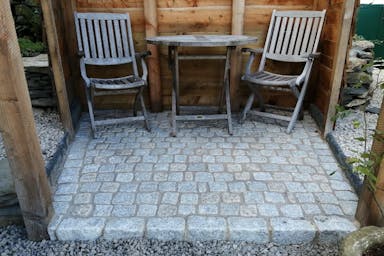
(89, 96)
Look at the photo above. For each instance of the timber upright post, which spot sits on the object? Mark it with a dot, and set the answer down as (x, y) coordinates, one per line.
(238, 10)
(151, 29)
(17, 127)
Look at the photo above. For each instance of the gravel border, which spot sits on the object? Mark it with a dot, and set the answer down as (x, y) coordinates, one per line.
(345, 133)
(13, 241)
(49, 130)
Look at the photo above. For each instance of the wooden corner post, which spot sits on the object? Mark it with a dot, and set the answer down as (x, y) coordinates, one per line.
(340, 56)
(17, 127)
(56, 62)
(238, 9)
(368, 212)
(151, 29)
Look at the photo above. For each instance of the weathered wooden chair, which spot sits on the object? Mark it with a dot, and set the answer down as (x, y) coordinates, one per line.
(293, 36)
(105, 39)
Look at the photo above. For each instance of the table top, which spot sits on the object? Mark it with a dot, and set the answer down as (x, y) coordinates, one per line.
(202, 40)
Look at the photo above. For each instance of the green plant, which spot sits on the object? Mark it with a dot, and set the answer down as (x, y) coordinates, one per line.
(366, 162)
(29, 48)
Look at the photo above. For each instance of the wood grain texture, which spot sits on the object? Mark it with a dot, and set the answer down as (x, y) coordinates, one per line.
(215, 17)
(238, 11)
(152, 29)
(18, 130)
(340, 58)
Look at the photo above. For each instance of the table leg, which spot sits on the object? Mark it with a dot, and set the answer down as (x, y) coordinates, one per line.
(174, 65)
(227, 88)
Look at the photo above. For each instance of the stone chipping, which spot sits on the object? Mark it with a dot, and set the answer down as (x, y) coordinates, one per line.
(13, 241)
(49, 131)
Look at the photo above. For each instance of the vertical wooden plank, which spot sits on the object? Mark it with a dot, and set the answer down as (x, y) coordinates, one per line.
(56, 62)
(338, 70)
(17, 127)
(152, 29)
(238, 9)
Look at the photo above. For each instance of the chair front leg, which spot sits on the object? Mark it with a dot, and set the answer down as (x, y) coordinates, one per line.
(247, 107)
(135, 103)
(143, 109)
(260, 100)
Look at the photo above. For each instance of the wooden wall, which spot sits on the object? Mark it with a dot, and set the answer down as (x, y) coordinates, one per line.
(200, 81)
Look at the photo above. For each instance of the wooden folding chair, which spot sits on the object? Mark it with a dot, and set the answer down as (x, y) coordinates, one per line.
(105, 39)
(293, 36)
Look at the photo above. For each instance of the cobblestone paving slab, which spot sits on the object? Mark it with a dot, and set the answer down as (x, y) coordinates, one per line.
(259, 185)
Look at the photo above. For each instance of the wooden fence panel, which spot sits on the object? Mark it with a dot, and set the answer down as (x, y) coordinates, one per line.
(216, 17)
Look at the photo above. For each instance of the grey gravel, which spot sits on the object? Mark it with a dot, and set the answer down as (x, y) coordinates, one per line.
(345, 132)
(49, 130)
(13, 241)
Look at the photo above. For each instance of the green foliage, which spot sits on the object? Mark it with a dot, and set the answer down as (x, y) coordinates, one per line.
(341, 112)
(29, 48)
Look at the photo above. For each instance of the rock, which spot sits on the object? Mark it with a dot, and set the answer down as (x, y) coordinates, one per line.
(363, 45)
(365, 55)
(355, 64)
(44, 102)
(6, 181)
(359, 241)
(359, 78)
(373, 110)
(355, 91)
(7, 188)
(356, 103)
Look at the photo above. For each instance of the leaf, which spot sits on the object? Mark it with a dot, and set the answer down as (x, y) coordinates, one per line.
(360, 139)
(356, 124)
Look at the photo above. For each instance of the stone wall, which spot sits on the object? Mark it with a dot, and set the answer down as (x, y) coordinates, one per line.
(357, 91)
(39, 81)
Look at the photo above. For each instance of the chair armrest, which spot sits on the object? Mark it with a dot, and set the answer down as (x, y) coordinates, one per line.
(80, 54)
(312, 55)
(252, 56)
(144, 67)
(83, 72)
(254, 51)
(143, 54)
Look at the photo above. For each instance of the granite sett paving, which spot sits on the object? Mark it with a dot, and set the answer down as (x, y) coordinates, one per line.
(260, 184)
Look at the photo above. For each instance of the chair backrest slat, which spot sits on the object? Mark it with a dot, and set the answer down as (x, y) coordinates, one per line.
(119, 45)
(124, 37)
(292, 35)
(281, 35)
(84, 36)
(287, 37)
(312, 38)
(308, 30)
(105, 38)
(275, 35)
(104, 34)
(92, 39)
(111, 37)
(299, 38)
(98, 39)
